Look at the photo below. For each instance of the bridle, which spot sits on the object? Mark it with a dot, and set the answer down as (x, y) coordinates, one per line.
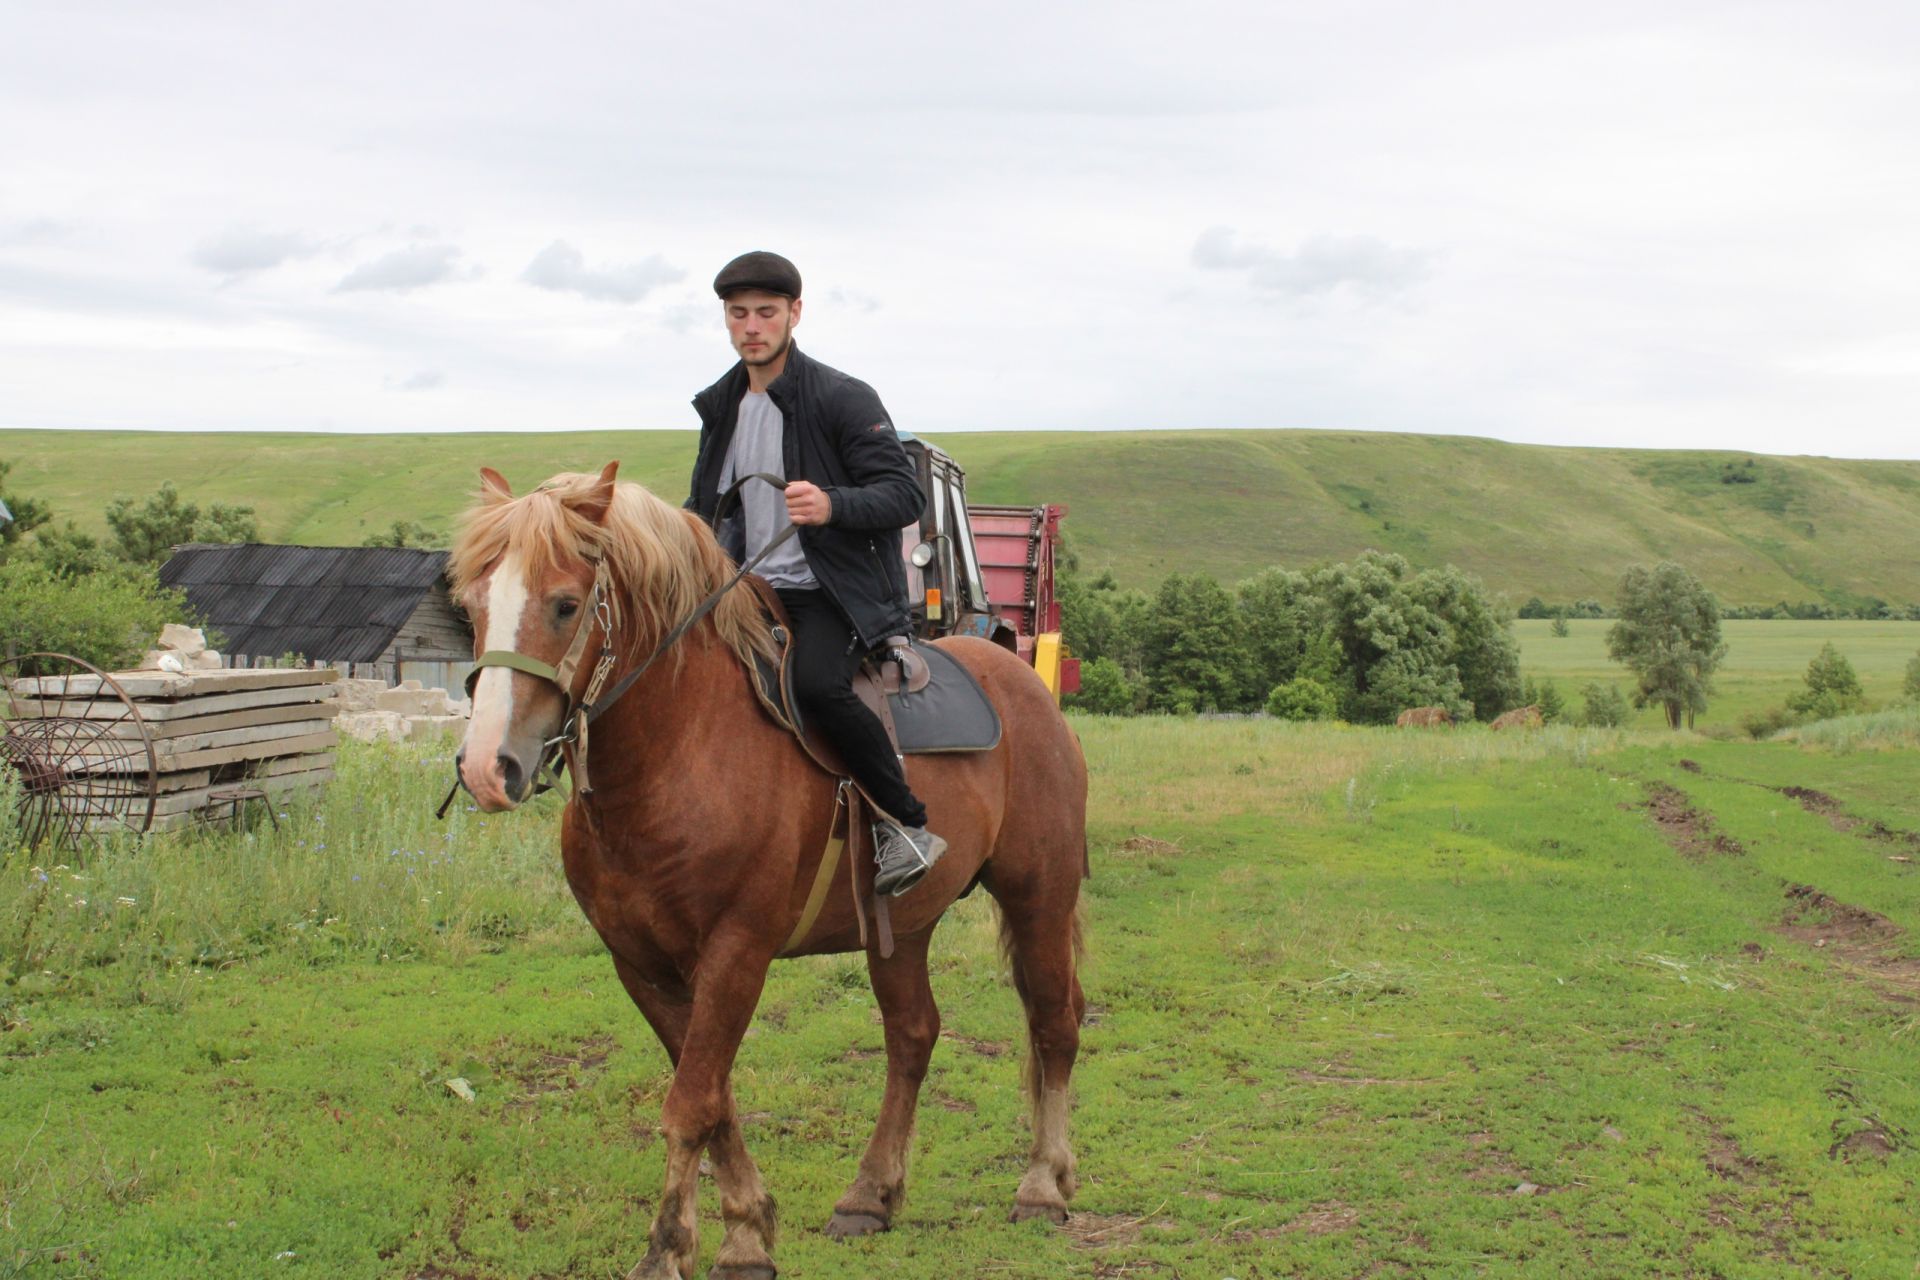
(571, 741)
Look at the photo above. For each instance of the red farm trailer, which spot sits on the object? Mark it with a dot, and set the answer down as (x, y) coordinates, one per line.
(985, 570)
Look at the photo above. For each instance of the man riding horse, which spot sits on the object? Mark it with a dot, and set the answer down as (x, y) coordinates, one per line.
(850, 488)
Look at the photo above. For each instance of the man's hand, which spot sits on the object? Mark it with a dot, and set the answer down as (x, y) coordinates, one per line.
(808, 503)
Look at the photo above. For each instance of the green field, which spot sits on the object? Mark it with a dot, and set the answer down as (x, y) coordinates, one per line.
(1364, 1002)
(1766, 662)
(1558, 523)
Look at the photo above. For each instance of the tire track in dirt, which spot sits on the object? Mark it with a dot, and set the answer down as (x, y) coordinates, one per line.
(1826, 806)
(1689, 830)
(1863, 943)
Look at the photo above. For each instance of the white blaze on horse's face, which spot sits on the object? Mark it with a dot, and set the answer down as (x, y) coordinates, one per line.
(490, 730)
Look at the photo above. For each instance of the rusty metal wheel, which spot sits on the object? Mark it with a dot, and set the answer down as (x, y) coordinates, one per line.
(81, 755)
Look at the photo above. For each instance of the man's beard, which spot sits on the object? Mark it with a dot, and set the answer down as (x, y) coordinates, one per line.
(781, 350)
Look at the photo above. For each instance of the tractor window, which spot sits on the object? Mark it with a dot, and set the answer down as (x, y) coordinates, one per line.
(976, 584)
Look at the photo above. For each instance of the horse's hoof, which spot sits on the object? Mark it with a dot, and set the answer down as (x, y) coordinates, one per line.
(753, 1272)
(1028, 1212)
(651, 1270)
(848, 1226)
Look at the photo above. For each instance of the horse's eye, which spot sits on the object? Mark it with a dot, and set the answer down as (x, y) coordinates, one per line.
(567, 608)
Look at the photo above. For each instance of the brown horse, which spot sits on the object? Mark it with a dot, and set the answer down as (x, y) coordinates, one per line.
(694, 852)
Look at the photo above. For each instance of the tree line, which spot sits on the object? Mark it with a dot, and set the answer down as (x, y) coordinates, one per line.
(1360, 641)
(1868, 609)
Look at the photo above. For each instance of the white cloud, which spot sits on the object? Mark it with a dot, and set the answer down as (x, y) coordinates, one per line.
(242, 250)
(1642, 223)
(33, 231)
(560, 266)
(854, 300)
(1323, 264)
(413, 267)
(424, 380)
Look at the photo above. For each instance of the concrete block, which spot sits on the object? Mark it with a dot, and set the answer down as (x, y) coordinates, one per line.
(373, 726)
(358, 695)
(420, 728)
(205, 660)
(413, 702)
(182, 639)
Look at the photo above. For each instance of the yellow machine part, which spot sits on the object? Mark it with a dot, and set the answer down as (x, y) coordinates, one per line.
(1046, 660)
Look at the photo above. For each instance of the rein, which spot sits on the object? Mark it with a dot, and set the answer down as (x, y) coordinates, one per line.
(572, 739)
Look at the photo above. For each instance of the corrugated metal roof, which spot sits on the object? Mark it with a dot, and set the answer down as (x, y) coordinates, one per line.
(328, 604)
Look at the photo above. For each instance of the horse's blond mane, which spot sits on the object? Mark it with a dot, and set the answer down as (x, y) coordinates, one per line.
(663, 562)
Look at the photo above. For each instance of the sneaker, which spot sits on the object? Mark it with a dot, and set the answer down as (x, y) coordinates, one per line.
(903, 855)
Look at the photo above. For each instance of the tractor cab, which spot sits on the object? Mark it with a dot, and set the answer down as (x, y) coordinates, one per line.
(984, 571)
(945, 587)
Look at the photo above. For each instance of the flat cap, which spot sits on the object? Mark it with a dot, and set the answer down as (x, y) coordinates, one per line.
(766, 272)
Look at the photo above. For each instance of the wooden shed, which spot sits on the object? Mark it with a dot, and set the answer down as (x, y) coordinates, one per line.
(370, 611)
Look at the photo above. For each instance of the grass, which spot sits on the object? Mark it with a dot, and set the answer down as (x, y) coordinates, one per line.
(1365, 1002)
(1766, 661)
(1530, 520)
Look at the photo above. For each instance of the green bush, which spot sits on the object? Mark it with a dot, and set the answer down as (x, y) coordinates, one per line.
(1764, 724)
(1545, 695)
(1606, 707)
(1104, 689)
(1302, 698)
(1833, 687)
(146, 533)
(1911, 689)
(108, 618)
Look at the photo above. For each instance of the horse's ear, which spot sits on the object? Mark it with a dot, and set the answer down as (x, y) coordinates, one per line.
(494, 487)
(599, 499)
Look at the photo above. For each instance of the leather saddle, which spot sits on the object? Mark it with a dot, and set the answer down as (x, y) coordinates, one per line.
(928, 702)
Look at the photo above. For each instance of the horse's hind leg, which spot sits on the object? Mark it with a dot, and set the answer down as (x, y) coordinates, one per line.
(912, 1026)
(1042, 948)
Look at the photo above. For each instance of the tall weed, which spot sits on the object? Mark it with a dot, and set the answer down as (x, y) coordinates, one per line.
(12, 833)
(362, 870)
(1873, 731)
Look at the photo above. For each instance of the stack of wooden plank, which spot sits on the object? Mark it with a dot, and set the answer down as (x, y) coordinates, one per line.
(212, 731)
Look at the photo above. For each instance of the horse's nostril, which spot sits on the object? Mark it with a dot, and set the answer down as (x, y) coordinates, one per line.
(510, 774)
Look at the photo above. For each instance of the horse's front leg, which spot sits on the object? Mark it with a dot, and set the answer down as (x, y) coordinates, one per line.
(698, 1113)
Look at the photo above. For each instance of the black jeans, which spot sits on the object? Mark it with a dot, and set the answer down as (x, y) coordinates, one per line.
(826, 656)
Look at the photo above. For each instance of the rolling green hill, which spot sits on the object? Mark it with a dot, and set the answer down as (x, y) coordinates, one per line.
(1560, 523)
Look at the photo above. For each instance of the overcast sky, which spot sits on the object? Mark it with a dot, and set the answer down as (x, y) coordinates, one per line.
(1646, 224)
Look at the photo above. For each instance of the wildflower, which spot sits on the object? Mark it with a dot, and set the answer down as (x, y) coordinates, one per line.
(126, 901)
(356, 877)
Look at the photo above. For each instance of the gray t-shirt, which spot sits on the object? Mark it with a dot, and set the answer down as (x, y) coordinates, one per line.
(757, 446)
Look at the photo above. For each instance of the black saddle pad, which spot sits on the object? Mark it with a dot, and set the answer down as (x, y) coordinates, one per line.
(951, 714)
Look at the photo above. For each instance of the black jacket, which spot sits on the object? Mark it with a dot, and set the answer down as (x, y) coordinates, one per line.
(838, 436)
